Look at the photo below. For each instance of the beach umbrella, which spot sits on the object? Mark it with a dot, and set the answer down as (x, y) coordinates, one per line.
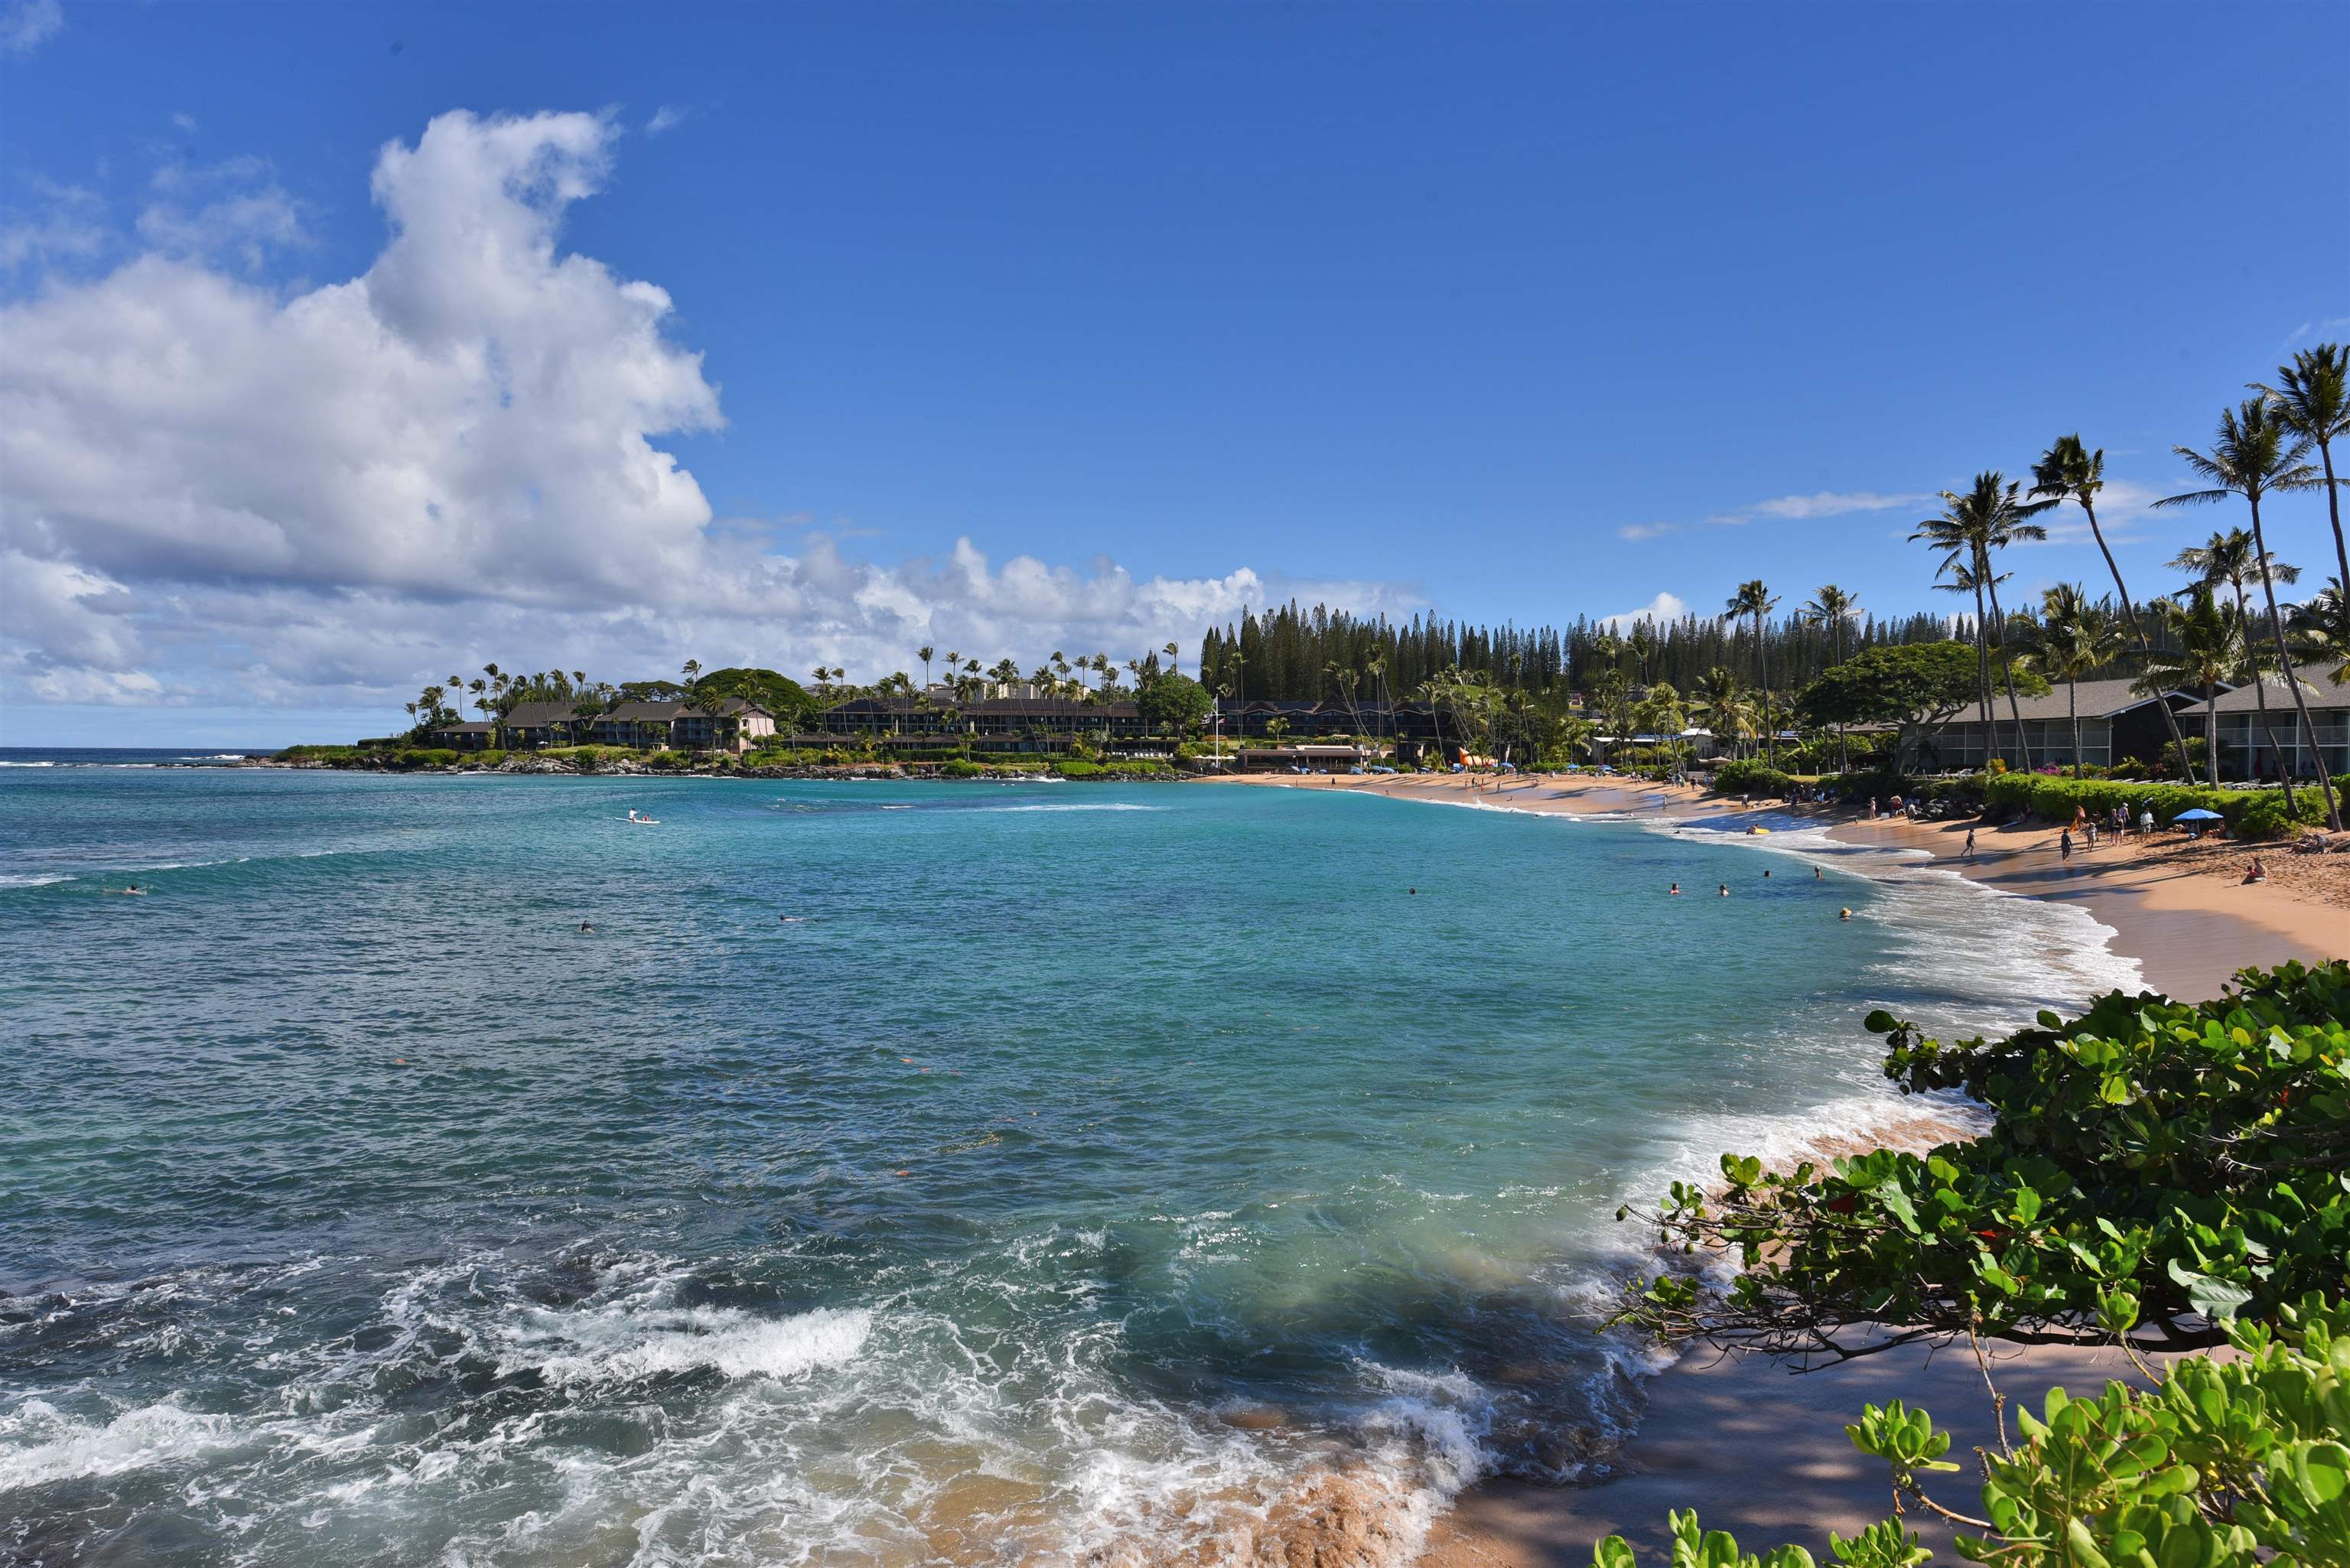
(2199, 815)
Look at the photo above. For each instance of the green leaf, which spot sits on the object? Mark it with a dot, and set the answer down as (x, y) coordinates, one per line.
(2215, 1299)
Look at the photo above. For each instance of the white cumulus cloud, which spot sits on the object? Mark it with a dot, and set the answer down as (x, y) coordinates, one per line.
(1662, 608)
(214, 492)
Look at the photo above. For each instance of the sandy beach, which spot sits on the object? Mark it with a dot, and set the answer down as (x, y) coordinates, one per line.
(1756, 1448)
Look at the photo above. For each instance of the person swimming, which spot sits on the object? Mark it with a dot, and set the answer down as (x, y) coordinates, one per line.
(587, 929)
(134, 891)
(1844, 914)
(1817, 874)
(1725, 889)
(1675, 889)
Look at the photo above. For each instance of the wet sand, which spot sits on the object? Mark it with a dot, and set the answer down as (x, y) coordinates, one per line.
(1753, 1446)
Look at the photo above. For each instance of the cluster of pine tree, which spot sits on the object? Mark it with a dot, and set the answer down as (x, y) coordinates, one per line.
(1289, 654)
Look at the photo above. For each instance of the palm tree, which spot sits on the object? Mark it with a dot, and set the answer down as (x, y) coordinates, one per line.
(2312, 401)
(1716, 708)
(2069, 469)
(1173, 668)
(2321, 631)
(710, 704)
(2076, 638)
(1753, 599)
(1832, 609)
(1662, 714)
(924, 653)
(1990, 516)
(2228, 558)
(2253, 455)
(2209, 655)
(1963, 579)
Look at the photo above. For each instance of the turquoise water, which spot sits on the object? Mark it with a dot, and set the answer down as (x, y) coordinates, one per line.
(1079, 1173)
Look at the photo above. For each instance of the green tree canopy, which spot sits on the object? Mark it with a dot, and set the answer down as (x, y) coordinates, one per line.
(1173, 703)
(781, 695)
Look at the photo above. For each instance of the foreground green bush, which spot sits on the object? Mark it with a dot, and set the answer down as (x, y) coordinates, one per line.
(2219, 1465)
(2159, 1175)
(2153, 1167)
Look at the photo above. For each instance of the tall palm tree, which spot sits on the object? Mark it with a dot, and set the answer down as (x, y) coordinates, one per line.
(2312, 401)
(1832, 608)
(2321, 631)
(2208, 654)
(2254, 455)
(1719, 705)
(1964, 579)
(2076, 637)
(2226, 558)
(1663, 715)
(1173, 668)
(924, 653)
(1753, 599)
(1991, 515)
(1376, 667)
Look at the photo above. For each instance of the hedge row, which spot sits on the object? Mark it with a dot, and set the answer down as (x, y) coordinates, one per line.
(2249, 813)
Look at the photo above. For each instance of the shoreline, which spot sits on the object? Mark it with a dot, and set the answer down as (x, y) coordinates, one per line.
(1706, 1416)
(2187, 928)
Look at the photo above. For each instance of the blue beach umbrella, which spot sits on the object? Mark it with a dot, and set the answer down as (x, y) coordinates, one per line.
(2199, 814)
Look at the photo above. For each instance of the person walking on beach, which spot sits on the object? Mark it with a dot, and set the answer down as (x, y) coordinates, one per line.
(1970, 846)
(2093, 834)
(2064, 845)
(2145, 822)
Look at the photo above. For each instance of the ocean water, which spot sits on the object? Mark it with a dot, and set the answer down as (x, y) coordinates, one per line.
(897, 1174)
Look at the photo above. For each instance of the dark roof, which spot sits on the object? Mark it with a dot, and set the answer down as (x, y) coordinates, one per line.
(646, 712)
(538, 715)
(2318, 689)
(2098, 698)
(470, 727)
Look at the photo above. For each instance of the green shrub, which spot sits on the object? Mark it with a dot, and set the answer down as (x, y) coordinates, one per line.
(2222, 1464)
(2199, 753)
(668, 761)
(2157, 1173)
(427, 757)
(489, 758)
(956, 768)
(2249, 813)
(1749, 776)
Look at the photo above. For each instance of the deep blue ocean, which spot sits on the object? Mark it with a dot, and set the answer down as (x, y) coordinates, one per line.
(895, 1174)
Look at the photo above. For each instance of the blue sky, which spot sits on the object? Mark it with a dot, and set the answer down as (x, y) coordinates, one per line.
(1514, 311)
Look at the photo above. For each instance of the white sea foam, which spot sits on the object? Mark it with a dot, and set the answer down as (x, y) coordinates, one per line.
(40, 1445)
(621, 1345)
(30, 879)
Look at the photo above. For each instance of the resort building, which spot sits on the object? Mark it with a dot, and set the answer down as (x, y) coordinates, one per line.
(1034, 718)
(473, 735)
(738, 726)
(2116, 722)
(2244, 751)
